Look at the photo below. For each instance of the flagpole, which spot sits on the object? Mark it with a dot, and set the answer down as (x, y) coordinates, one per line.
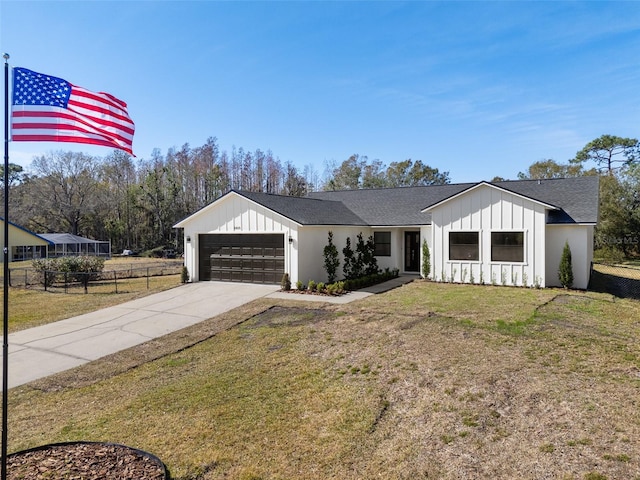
(5, 317)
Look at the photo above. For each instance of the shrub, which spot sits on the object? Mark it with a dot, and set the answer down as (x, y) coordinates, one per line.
(79, 269)
(565, 271)
(311, 286)
(347, 253)
(300, 285)
(184, 275)
(320, 287)
(426, 260)
(369, 258)
(331, 261)
(360, 257)
(285, 283)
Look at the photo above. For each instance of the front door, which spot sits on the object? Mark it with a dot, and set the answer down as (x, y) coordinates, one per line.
(411, 251)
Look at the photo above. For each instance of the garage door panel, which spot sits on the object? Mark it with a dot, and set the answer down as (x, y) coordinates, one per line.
(242, 257)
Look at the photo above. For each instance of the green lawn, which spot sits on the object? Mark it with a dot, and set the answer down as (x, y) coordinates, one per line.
(426, 381)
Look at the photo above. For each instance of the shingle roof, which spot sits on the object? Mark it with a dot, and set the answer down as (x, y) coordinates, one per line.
(305, 210)
(393, 206)
(575, 198)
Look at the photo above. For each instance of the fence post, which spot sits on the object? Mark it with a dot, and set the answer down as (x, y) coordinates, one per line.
(115, 280)
(65, 281)
(147, 278)
(85, 280)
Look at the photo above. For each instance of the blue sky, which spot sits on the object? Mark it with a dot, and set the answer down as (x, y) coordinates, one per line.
(477, 89)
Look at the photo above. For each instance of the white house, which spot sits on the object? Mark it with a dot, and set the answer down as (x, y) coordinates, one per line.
(506, 233)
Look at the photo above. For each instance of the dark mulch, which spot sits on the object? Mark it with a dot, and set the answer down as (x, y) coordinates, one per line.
(84, 461)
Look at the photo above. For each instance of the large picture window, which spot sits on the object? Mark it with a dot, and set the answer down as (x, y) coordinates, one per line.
(382, 242)
(464, 246)
(507, 246)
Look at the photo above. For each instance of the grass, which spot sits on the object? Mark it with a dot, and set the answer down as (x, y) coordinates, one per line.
(425, 381)
(30, 308)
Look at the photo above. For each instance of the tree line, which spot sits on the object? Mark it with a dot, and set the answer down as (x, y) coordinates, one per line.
(135, 203)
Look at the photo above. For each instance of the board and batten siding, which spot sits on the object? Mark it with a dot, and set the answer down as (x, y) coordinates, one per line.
(236, 214)
(485, 210)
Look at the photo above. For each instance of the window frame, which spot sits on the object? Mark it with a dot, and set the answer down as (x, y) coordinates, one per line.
(521, 246)
(476, 257)
(378, 244)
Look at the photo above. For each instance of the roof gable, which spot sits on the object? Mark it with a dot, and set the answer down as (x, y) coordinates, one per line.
(486, 185)
(301, 210)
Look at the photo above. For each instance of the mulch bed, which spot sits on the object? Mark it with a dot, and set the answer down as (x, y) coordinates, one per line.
(84, 461)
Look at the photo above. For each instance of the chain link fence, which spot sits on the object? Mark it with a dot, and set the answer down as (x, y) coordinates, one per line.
(618, 280)
(124, 278)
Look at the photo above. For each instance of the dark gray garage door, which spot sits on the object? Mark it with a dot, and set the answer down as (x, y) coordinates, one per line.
(244, 257)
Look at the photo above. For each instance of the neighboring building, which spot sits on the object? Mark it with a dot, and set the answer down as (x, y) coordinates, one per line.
(509, 233)
(66, 244)
(24, 244)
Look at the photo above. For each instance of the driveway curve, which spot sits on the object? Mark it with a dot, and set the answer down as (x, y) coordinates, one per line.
(42, 351)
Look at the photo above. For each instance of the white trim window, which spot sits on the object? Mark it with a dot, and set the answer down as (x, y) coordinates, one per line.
(507, 247)
(464, 246)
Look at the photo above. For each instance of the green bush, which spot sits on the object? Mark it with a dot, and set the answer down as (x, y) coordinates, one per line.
(565, 271)
(320, 287)
(311, 286)
(331, 261)
(426, 260)
(72, 269)
(347, 253)
(300, 286)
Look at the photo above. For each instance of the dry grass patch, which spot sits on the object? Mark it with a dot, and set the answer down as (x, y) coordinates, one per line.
(420, 382)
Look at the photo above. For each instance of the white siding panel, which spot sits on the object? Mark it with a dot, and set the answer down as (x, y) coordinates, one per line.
(311, 243)
(236, 214)
(486, 210)
(517, 214)
(580, 240)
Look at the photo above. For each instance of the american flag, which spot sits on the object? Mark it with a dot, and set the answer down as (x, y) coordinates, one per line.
(50, 109)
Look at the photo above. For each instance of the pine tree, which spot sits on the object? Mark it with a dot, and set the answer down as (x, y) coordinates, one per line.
(565, 271)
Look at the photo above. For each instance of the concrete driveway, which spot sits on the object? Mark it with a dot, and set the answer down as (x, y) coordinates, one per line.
(42, 351)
